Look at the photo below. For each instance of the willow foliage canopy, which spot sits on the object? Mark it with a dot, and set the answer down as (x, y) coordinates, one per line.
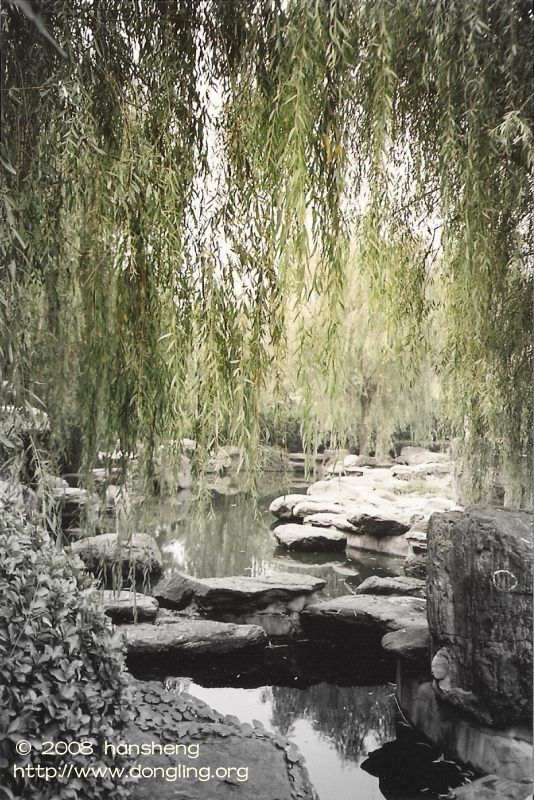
(193, 171)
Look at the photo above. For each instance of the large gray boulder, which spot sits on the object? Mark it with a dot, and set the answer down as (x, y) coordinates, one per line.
(283, 591)
(182, 636)
(480, 611)
(309, 538)
(107, 553)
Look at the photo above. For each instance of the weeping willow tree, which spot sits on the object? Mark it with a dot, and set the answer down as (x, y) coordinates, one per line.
(173, 175)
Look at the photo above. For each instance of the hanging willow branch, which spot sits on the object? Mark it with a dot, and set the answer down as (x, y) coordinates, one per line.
(173, 184)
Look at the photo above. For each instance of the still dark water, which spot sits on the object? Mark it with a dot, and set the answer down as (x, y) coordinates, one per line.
(336, 707)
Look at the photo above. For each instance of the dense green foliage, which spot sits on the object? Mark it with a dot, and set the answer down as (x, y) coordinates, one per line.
(61, 673)
(173, 183)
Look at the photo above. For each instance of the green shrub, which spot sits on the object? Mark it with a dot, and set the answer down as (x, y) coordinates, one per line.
(62, 676)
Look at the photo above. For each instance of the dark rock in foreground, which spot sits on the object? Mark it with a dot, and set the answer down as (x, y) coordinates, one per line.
(129, 606)
(182, 636)
(480, 611)
(236, 594)
(309, 538)
(397, 585)
(138, 554)
(221, 759)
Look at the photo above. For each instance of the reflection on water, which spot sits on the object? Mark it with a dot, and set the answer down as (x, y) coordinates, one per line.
(234, 538)
(334, 728)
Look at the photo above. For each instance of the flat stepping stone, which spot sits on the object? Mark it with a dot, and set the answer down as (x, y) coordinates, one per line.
(107, 552)
(129, 606)
(370, 616)
(191, 637)
(397, 584)
(310, 538)
(283, 591)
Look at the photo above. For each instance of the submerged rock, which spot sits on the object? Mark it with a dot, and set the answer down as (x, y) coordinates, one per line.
(310, 538)
(138, 554)
(182, 636)
(392, 585)
(480, 610)
(238, 594)
(129, 606)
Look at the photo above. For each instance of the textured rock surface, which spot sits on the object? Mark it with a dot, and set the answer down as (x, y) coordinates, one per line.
(310, 538)
(368, 616)
(309, 506)
(237, 594)
(72, 504)
(491, 787)
(415, 566)
(505, 752)
(107, 551)
(376, 525)
(282, 507)
(392, 585)
(274, 766)
(389, 545)
(329, 520)
(190, 637)
(416, 456)
(411, 644)
(129, 606)
(480, 610)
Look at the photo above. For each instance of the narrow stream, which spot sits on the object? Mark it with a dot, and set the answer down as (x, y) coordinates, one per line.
(337, 706)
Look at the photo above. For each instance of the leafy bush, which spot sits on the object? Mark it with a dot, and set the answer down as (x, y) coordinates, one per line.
(62, 675)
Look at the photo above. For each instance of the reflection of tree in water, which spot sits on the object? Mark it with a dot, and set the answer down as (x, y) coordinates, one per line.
(233, 538)
(353, 717)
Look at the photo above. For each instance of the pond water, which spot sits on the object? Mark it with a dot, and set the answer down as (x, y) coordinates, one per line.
(336, 705)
